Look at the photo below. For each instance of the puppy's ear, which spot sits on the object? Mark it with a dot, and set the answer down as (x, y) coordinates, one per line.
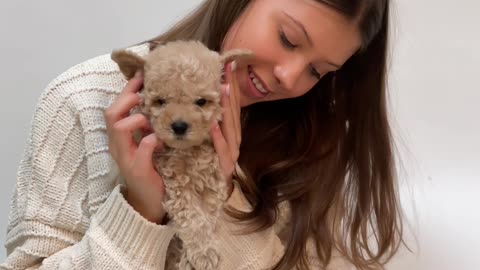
(235, 54)
(128, 62)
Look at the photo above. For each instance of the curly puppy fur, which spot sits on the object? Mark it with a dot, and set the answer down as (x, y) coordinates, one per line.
(182, 101)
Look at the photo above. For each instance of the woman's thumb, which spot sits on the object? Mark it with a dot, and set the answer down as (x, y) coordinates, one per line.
(147, 146)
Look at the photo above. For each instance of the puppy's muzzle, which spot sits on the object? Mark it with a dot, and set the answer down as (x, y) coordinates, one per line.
(179, 128)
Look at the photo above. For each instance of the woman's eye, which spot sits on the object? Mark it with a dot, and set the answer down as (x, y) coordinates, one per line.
(315, 73)
(201, 102)
(285, 41)
(159, 102)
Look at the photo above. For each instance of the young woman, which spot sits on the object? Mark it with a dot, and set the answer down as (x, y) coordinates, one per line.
(305, 120)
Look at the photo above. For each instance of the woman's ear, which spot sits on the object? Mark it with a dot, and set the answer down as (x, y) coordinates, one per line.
(235, 54)
(128, 62)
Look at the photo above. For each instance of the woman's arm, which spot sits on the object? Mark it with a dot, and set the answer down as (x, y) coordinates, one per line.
(67, 211)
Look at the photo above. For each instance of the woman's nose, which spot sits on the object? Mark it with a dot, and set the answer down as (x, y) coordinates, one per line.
(288, 74)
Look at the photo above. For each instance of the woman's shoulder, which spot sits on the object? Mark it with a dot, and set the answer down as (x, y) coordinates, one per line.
(92, 83)
(99, 65)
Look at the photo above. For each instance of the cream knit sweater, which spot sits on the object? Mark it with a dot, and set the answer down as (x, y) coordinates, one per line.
(68, 211)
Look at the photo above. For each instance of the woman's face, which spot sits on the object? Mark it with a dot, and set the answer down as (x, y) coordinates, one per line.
(295, 43)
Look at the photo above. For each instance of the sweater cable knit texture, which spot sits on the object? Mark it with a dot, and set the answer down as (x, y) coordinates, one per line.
(68, 210)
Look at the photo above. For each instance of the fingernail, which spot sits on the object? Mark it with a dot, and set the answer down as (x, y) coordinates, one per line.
(138, 74)
(150, 138)
(227, 90)
(234, 65)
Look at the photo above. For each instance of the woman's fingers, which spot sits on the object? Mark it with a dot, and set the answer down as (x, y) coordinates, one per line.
(228, 126)
(231, 79)
(121, 134)
(121, 108)
(147, 146)
(144, 154)
(227, 137)
(125, 101)
(223, 151)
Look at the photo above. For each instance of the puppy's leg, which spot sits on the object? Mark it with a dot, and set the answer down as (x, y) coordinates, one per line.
(207, 259)
(202, 250)
(199, 242)
(185, 263)
(196, 215)
(174, 254)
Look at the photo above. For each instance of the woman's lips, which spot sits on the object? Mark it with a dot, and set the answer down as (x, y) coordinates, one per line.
(252, 89)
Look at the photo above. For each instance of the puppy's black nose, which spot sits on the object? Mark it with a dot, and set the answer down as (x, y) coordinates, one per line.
(179, 127)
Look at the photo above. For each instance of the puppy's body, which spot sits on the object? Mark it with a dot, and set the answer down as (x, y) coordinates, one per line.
(182, 101)
(195, 195)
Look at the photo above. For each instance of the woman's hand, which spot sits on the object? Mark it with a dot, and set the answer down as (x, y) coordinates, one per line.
(227, 135)
(145, 190)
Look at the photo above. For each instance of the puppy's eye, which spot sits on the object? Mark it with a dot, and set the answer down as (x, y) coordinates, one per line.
(159, 102)
(201, 102)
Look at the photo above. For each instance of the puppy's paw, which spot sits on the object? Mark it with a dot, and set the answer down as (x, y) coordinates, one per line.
(207, 260)
(184, 263)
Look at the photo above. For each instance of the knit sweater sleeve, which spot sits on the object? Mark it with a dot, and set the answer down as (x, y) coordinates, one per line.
(67, 210)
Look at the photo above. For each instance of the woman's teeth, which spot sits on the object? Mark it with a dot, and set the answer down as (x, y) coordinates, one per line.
(257, 83)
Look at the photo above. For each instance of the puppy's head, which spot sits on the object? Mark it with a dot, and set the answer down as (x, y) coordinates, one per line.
(181, 89)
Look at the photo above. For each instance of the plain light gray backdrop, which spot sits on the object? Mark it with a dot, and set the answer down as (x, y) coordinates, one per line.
(434, 96)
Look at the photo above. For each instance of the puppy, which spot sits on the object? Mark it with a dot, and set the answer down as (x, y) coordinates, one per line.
(182, 101)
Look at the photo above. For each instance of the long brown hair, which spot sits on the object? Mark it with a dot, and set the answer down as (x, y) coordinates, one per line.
(328, 152)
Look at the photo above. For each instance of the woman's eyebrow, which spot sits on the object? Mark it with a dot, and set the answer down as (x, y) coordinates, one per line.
(300, 25)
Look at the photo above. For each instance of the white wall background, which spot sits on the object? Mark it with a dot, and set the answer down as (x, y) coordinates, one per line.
(434, 96)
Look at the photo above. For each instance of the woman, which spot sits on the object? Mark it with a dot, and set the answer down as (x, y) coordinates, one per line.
(309, 110)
